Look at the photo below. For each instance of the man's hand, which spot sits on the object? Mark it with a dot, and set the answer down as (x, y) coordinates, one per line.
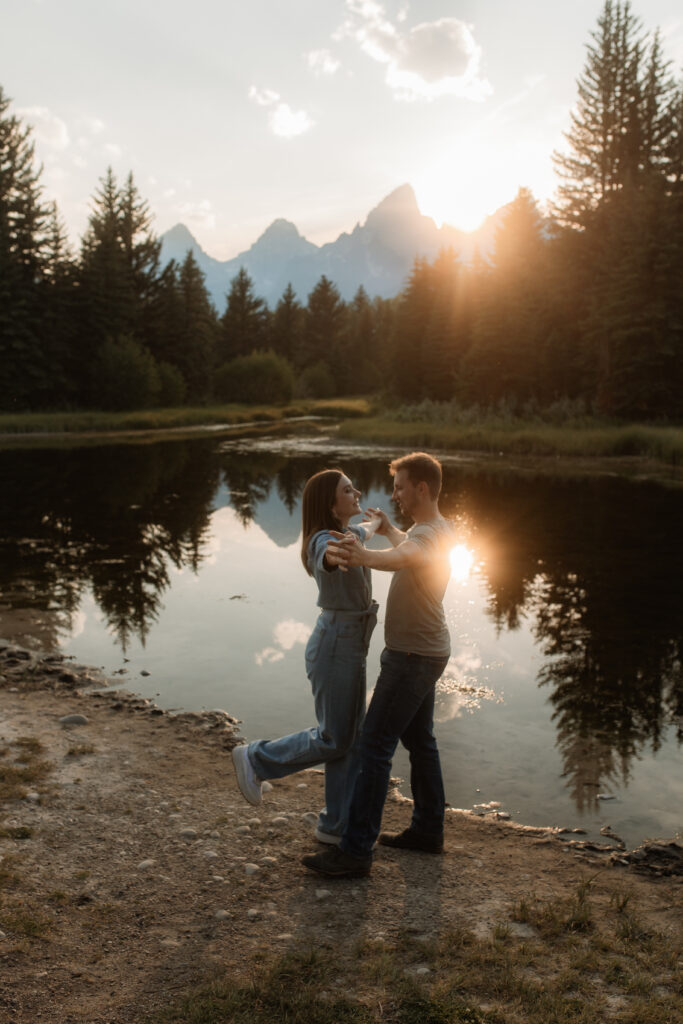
(345, 550)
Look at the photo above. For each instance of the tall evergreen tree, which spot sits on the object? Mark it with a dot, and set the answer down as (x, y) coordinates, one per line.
(324, 324)
(287, 324)
(24, 367)
(245, 321)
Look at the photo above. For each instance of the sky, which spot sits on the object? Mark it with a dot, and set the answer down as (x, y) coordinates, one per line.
(232, 114)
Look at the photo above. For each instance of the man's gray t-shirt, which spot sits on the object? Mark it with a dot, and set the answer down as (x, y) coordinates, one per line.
(414, 621)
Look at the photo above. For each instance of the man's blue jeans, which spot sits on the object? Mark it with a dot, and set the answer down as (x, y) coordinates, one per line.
(402, 708)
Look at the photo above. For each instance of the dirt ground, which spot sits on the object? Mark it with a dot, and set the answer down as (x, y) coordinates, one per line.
(133, 868)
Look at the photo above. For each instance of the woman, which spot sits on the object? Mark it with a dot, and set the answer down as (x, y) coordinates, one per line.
(335, 661)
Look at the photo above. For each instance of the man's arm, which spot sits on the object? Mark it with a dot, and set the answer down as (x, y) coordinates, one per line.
(406, 555)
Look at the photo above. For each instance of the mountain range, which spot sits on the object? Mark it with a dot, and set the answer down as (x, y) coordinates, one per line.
(377, 254)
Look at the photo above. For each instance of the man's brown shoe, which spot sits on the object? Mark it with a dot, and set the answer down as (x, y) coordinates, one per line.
(409, 840)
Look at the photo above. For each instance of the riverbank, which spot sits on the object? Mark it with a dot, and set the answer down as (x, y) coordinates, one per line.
(138, 886)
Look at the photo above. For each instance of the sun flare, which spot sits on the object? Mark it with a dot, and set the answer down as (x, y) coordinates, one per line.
(464, 184)
(462, 560)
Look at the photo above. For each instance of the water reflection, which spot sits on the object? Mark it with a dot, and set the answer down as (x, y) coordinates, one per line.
(592, 569)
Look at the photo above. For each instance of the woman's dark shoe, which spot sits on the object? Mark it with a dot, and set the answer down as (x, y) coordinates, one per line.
(410, 840)
(336, 864)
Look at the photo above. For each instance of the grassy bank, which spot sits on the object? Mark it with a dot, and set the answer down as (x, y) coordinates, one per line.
(519, 437)
(585, 958)
(176, 418)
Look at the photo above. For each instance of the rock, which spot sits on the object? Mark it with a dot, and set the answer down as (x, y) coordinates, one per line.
(210, 854)
(279, 821)
(2, 935)
(243, 830)
(33, 798)
(73, 720)
(217, 878)
(422, 970)
(214, 835)
(269, 862)
(253, 913)
(253, 821)
(310, 818)
(266, 787)
(522, 931)
(188, 833)
(251, 869)
(302, 785)
(606, 796)
(222, 915)
(322, 894)
(145, 672)
(285, 937)
(144, 864)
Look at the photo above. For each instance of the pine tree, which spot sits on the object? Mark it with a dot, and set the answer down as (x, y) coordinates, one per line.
(287, 324)
(324, 325)
(24, 366)
(245, 321)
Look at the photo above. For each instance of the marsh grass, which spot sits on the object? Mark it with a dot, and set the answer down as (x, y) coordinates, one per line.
(516, 437)
(590, 962)
(175, 418)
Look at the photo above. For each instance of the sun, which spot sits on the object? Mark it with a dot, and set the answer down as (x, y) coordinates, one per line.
(463, 185)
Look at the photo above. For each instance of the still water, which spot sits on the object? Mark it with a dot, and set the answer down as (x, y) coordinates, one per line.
(180, 558)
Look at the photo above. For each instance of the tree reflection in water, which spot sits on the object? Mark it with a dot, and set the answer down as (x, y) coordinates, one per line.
(597, 565)
(594, 565)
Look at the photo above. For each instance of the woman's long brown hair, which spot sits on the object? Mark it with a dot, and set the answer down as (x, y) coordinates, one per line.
(316, 508)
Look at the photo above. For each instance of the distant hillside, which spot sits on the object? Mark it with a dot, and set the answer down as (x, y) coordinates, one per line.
(378, 254)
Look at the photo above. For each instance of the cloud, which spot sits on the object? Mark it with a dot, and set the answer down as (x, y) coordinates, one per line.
(432, 59)
(284, 122)
(111, 149)
(48, 129)
(200, 213)
(321, 62)
(264, 97)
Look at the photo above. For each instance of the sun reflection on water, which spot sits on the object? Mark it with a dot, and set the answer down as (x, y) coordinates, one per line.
(462, 560)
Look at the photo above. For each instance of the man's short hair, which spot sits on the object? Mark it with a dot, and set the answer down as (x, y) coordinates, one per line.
(421, 468)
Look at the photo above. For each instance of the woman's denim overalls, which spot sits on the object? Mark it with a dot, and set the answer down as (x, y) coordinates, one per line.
(335, 665)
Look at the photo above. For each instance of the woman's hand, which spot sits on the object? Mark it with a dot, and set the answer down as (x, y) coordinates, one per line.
(376, 521)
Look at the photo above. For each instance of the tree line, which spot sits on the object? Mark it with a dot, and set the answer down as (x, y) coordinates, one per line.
(583, 306)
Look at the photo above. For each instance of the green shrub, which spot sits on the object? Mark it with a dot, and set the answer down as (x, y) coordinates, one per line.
(261, 377)
(316, 382)
(172, 388)
(125, 375)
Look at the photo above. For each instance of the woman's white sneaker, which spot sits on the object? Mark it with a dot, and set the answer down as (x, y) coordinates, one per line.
(247, 779)
(327, 837)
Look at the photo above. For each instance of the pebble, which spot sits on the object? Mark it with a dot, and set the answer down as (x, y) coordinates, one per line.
(285, 937)
(243, 830)
(606, 796)
(251, 869)
(269, 861)
(33, 798)
(266, 787)
(144, 864)
(422, 970)
(310, 818)
(188, 833)
(214, 835)
(302, 785)
(522, 930)
(210, 854)
(222, 915)
(73, 720)
(217, 878)
(253, 913)
(280, 820)
(322, 894)
(2, 935)
(145, 672)
(253, 821)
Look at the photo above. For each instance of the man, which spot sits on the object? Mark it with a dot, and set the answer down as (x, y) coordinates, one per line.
(417, 648)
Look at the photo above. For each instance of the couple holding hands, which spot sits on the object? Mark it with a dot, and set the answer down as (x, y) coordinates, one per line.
(356, 747)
